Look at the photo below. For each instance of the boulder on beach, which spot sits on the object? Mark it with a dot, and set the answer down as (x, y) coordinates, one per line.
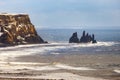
(17, 29)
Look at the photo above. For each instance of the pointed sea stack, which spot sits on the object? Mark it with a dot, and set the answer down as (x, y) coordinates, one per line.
(17, 29)
(93, 39)
(86, 38)
(74, 38)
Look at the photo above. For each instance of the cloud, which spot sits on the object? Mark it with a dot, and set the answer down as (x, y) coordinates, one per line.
(66, 12)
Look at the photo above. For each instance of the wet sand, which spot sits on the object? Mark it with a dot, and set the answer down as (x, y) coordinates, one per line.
(62, 67)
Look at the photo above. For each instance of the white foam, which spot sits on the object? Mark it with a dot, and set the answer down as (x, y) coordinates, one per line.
(117, 71)
(20, 50)
(56, 76)
(31, 49)
(96, 44)
(63, 66)
(45, 68)
(15, 66)
(61, 45)
(23, 63)
(11, 55)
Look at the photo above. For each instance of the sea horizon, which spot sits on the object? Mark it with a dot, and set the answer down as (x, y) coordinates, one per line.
(63, 35)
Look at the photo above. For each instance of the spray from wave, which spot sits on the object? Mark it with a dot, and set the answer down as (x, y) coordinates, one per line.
(51, 48)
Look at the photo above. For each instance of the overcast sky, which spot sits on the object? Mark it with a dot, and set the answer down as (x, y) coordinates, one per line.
(67, 13)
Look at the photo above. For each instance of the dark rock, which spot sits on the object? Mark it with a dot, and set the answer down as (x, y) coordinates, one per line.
(87, 38)
(18, 29)
(34, 39)
(83, 38)
(74, 38)
(3, 38)
(93, 39)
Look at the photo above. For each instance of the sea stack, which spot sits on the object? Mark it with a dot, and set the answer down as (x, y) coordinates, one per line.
(85, 38)
(74, 38)
(17, 29)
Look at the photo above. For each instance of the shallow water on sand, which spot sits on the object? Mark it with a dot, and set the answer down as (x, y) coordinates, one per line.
(7, 53)
(26, 59)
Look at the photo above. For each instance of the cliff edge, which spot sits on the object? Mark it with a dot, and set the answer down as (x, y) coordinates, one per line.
(17, 29)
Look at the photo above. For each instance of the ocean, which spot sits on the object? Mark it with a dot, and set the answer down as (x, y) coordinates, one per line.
(108, 42)
(63, 35)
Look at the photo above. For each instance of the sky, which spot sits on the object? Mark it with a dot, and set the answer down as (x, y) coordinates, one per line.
(67, 13)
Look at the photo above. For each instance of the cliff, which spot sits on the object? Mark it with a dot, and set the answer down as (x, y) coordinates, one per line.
(17, 29)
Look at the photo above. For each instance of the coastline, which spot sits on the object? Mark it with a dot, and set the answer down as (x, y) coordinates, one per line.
(95, 67)
(33, 64)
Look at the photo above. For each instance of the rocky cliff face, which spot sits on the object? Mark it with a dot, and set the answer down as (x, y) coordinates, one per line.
(17, 29)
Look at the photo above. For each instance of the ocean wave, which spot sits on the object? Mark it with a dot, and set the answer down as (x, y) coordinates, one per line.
(8, 53)
(17, 66)
(97, 44)
(60, 44)
(52, 46)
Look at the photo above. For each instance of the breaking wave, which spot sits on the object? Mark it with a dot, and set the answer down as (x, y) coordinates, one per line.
(51, 48)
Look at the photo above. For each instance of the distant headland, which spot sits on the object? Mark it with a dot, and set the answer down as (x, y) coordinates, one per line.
(17, 29)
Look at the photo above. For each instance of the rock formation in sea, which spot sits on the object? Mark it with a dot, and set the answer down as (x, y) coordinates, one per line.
(17, 29)
(85, 38)
(93, 39)
(74, 38)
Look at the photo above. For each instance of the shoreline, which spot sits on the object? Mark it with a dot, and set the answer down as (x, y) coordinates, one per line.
(28, 63)
(94, 66)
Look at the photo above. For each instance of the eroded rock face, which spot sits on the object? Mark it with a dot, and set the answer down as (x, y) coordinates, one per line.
(85, 38)
(17, 29)
(74, 38)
